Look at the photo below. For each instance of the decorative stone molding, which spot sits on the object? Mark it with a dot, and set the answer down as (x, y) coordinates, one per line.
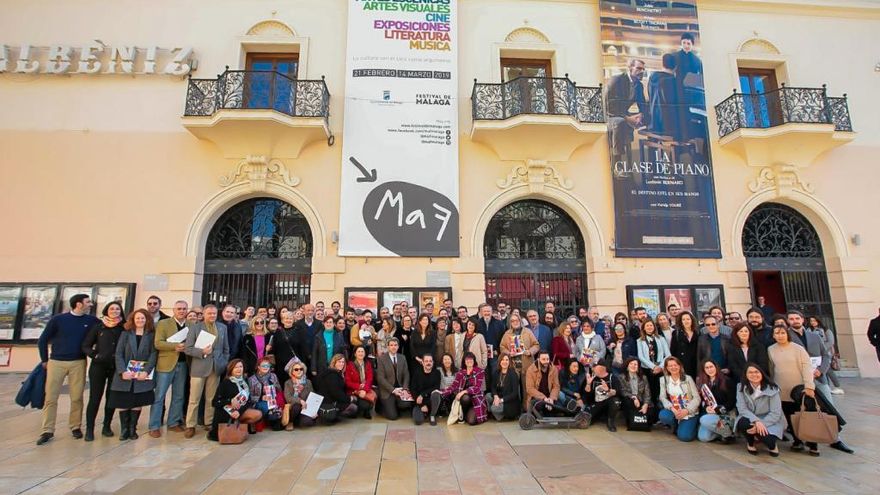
(782, 178)
(535, 174)
(257, 170)
(526, 35)
(271, 28)
(758, 45)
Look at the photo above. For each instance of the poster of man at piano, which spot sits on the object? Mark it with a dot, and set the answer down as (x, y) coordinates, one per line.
(658, 136)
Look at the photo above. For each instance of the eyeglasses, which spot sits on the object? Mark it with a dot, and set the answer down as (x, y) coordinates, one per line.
(711, 324)
(258, 323)
(265, 366)
(297, 369)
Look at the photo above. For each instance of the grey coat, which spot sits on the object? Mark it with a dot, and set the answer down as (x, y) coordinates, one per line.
(385, 374)
(766, 408)
(815, 348)
(128, 350)
(201, 367)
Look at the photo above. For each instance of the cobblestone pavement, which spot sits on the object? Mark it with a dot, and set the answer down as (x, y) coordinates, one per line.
(361, 456)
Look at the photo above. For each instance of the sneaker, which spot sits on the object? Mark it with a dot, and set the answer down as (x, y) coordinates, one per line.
(837, 391)
(77, 433)
(45, 437)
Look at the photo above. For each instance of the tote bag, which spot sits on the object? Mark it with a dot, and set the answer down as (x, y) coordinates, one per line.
(232, 433)
(814, 426)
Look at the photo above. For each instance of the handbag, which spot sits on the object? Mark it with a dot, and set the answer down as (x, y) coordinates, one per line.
(726, 422)
(455, 414)
(232, 433)
(636, 421)
(814, 426)
(835, 362)
(285, 415)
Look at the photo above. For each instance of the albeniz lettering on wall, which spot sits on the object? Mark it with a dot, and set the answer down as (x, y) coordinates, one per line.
(96, 58)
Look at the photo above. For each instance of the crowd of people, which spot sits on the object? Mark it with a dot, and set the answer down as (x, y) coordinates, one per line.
(711, 377)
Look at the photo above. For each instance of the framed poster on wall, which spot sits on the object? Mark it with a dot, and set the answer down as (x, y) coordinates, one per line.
(389, 296)
(696, 299)
(433, 297)
(9, 299)
(39, 306)
(361, 300)
(68, 291)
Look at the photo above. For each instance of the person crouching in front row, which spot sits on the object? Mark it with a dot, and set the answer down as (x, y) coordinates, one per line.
(231, 400)
(296, 391)
(425, 380)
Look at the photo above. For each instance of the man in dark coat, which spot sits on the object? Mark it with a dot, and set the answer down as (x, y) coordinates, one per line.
(622, 92)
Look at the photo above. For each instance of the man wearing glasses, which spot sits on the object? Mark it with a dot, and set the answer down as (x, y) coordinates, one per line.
(713, 345)
(153, 307)
(171, 371)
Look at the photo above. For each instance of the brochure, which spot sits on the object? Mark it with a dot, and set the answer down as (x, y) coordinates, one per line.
(815, 362)
(179, 336)
(313, 403)
(204, 340)
(137, 367)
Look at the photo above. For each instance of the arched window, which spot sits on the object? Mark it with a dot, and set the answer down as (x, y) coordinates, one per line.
(778, 231)
(534, 254)
(258, 253)
(534, 230)
(260, 228)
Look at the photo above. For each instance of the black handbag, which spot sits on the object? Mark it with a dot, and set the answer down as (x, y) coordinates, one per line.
(636, 421)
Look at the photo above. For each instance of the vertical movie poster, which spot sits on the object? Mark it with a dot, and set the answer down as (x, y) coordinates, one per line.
(658, 135)
(399, 192)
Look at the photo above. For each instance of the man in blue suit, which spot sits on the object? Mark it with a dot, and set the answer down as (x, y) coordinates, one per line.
(492, 330)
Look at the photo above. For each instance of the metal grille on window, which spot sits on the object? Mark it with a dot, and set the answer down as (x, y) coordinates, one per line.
(259, 253)
(778, 231)
(534, 253)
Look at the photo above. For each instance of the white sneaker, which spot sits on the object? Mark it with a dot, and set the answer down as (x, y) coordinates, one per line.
(837, 391)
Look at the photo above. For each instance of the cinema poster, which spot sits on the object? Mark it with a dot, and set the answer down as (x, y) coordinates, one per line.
(658, 135)
(399, 192)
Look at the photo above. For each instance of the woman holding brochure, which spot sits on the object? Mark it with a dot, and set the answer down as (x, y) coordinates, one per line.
(133, 382)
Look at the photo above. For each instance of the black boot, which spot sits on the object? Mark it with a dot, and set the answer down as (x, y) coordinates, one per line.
(108, 419)
(123, 425)
(133, 417)
(611, 426)
(90, 433)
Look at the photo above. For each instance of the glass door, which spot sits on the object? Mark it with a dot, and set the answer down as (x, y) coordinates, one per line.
(270, 84)
(529, 87)
(761, 98)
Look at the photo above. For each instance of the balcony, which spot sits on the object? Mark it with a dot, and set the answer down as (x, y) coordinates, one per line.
(258, 113)
(536, 118)
(790, 126)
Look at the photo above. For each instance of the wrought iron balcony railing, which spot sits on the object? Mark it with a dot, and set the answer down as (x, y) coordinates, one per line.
(538, 96)
(256, 89)
(782, 106)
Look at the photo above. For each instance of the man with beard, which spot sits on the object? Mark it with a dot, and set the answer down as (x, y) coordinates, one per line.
(761, 330)
(542, 384)
(602, 397)
(815, 346)
(623, 92)
(639, 316)
(424, 381)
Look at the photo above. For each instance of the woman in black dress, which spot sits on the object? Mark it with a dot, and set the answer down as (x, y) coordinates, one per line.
(231, 401)
(421, 342)
(100, 346)
(133, 382)
(331, 384)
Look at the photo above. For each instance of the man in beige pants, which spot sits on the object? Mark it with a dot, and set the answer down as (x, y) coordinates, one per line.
(65, 332)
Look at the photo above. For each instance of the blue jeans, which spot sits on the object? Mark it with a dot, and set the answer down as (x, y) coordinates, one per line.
(708, 428)
(686, 430)
(176, 379)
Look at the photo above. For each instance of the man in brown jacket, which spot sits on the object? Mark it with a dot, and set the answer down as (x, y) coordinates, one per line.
(542, 383)
(171, 372)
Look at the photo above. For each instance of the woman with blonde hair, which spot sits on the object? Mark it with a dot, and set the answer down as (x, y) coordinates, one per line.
(331, 384)
(256, 344)
(296, 391)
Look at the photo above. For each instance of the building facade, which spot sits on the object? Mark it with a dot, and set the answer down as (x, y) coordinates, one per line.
(161, 156)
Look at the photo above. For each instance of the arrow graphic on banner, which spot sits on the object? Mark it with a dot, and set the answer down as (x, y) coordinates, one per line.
(367, 176)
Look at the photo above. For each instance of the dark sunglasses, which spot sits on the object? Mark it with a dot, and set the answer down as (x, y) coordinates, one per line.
(297, 369)
(258, 323)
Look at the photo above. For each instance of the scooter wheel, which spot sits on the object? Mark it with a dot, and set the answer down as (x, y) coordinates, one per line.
(582, 420)
(527, 421)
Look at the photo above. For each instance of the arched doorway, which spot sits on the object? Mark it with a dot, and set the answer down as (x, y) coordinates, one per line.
(534, 253)
(786, 263)
(258, 253)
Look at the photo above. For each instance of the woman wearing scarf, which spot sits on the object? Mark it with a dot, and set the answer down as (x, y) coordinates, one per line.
(231, 400)
(266, 393)
(100, 346)
(468, 389)
(652, 352)
(296, 391)
(590, 345)
(521, 345)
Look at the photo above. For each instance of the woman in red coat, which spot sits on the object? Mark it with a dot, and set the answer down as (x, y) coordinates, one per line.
(562, 347)
(359, 382)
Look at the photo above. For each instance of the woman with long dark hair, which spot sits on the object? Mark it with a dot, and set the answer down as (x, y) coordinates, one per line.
(468, 389)
(685, 341)
(620, 348)
(760, 410)
(133, 384)
(359, 382)
(718, 400)
(421, 342)
(635, 392)
(232, 399)
(652, 353)
(745, 348)
(100, 346)
(504, 401)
